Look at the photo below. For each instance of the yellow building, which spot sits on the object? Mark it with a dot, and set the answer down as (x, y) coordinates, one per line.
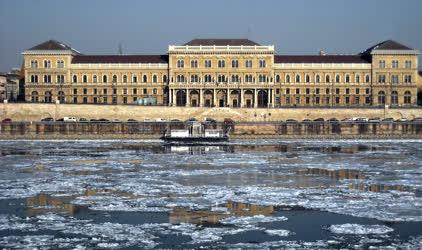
(223, 73)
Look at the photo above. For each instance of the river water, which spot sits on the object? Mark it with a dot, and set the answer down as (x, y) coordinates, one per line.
(259, 194)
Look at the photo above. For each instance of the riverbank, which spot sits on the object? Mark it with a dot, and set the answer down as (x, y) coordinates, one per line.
(36, 111)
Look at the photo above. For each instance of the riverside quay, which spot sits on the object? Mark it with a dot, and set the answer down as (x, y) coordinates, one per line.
(224, 73)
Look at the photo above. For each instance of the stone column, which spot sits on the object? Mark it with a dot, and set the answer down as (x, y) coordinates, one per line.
(255, 98)
(187, 98)
(214, 98)
(228, 98)
(174, 97)
(269, 98)
(170, 102)
(273, 98)
(200, 98)
(241, 99)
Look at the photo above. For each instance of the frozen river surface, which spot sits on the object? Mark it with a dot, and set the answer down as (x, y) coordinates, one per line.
(243, 194)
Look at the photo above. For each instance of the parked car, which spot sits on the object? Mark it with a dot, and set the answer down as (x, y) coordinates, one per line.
(60, 120)
(374, 120)
(388, 120)
(70, 119)
(417, 119)
(319, 120)
(115, 120)
(103, 120)
(333, 120)
(7, 120)
(192, 119)
(347, 120)
(210, 120)
(228, 121)
(291, 121)
(47, 119)
(83, 120)
(402, 119)
(160, 120)
(132, 120)
(176, 120)
(93, 120)
(147, 120)
(306, 120)
(361, 119)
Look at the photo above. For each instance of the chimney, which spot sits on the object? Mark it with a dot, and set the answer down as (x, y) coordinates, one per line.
(322, 52)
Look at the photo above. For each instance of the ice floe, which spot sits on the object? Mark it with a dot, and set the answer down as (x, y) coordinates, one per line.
(359, 229)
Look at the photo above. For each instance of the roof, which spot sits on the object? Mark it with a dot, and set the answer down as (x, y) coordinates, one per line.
(388, 45)
(319, 59)
(221, 42)
(51, 45)
(120, 59)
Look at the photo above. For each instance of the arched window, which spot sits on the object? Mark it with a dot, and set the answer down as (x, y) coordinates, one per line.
(381, 97)
(134, 78)
(297, 78)
(357, 79)
(307, 79)
(180, 78)
(262, 78)
(75, 78)
(60, 64)
(277, 78)
(34, 64)
(262, 63)
(34, 96)
(208, 78)
(194, 64)
(144, 78)
(194, 78)
(221, 64)
(337, 78)
(394, 98)
(84, 78)
(104, 78)
(221, 78)
(48, 97)
(407, 97)
(34, 78)
(288, 78)
(94, 78)
(154, 78)
(347, 78)
(164, 79)
(124, 78)
(47, 64)
(235, 78)
(114, 79)
(327, 78)
(317, 79)
(180, 63)
(235, 64)
(367, 79)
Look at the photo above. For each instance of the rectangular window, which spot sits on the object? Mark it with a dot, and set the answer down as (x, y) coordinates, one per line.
(287, 91)
(287, 100)
(207, 63)
(381, 78)
(337, 91)
(145, 91)
(408, 78)
(125, 91)
(262, 63)
(317, 100)
(85, 91)
(327, 100)
(408, 64)
(394, 79)
(277, 91)
(248, 63)
(125, 100)
(297, 91)
(75, 99)
(382, 64)
(47, 78)
(114, 91)
(75, 91)
(317, 91)
(95, 91)
(135, 91)
(367, 91)
(347, 91)
(356, 99)
(105, 100)
(307, 100)
(327, 91)
(395, 64)
(337, 100)
(134, 79)
(95, 100)
(85, 100)
(105, 91)
(135, 99)
(368, 100)
(154, 91)
(347, 100)
(308, 91)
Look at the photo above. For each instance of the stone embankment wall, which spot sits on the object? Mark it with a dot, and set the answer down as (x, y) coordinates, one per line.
(35, 112)
(137, 130)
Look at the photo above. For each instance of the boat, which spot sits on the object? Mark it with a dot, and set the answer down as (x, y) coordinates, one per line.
(195, 133)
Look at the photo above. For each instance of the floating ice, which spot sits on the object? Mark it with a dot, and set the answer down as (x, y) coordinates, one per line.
(359, 229)
(278, 232)
(248, 220)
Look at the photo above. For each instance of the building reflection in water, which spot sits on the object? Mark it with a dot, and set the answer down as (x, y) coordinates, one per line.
(196, 149)
(336, 174)
(213, 216)
(381, 187)
(44, 203)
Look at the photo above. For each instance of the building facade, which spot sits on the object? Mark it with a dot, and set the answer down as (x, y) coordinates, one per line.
(223, 73)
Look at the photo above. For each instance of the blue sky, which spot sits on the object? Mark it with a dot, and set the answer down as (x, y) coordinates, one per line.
(148, 27)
